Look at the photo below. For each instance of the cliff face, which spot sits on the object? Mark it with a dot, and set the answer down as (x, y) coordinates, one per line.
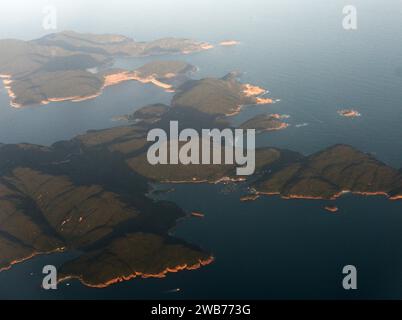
(133, 255)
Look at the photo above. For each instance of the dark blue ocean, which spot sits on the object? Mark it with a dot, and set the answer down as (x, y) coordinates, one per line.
(298, 50)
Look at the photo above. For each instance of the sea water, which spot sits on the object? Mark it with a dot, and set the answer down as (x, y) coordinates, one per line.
(269, 248)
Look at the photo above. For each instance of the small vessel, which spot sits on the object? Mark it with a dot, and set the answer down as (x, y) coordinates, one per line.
(173, 290)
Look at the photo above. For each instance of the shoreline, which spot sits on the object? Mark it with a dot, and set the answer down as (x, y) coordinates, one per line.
(32, 255)
(229, 43)
(201, 263)
(7, 85)
(203, 46)
(109, 80)
(251, 91)
(333, 197)
(117, 78)
(206, 181)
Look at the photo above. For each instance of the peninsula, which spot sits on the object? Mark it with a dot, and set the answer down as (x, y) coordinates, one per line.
(265, 122)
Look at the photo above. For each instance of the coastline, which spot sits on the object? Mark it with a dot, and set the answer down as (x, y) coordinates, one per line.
(282, 126)
(203, 46)
(195, 181)
(333, 197)
(109, 80)
(32, 255)
(7, 85)
(201, 263)
(117, 78)
(251, 91)
(229, 43)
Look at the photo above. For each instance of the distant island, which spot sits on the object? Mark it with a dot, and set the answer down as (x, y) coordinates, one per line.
(70, 66)
(229, 43)
(349, 113)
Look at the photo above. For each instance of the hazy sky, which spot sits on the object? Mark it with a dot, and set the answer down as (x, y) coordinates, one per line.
(145, 19)
(24, 17)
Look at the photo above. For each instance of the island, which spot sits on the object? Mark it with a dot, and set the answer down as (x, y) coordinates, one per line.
(70, 66)
(61, 198)
(349, 113)
(119, 45)
(203, 103)
(325, 175)
(130, 256)
(218, 97)
(331, 173)
(91, 194)
(229, 43)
